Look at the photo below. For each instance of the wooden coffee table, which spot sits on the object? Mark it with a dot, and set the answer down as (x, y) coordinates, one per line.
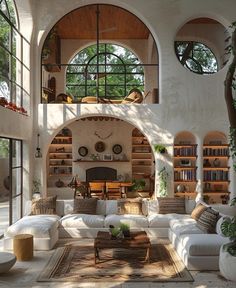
(137, 240)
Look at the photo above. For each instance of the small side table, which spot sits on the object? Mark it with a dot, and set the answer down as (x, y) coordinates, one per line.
(23, 247)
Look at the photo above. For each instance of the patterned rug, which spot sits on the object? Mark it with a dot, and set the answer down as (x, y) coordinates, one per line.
(76, 264)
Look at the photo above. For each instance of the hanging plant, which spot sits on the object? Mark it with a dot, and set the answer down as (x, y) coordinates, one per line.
(163, 177)
(159, 148)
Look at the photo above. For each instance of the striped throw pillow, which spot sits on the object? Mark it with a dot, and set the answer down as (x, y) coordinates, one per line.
(197, 211)
(45, 205)
(207, 221)
(171, 205)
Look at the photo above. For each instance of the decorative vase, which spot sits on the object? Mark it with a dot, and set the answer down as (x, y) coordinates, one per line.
(227, 264)
(180, 188)
(59, 183)
(216, 162)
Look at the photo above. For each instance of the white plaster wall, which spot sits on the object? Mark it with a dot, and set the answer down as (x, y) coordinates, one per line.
(188, 102)
(83, 134)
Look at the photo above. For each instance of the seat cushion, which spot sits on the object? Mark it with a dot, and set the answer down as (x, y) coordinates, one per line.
(134, 221)
(40, 226)
(163, 220)
(82, 221)
(184, 226)
(202, 244)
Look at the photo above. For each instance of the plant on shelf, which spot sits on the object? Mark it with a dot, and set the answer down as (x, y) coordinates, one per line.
(138, 184)
(227, 262)
(163, 177)
(159, 148)
(125, 229)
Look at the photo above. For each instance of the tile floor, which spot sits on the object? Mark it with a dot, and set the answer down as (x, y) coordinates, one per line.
(24, 274)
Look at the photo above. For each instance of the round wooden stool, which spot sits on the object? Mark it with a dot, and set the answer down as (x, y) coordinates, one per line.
(23, 247)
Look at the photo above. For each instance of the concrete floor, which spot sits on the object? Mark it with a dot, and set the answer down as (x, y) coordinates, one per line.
(24, 274)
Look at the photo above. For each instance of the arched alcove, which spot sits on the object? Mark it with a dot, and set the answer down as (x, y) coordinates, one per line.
(215, 168)
(79, 29)
(99, 141)
(185, 156)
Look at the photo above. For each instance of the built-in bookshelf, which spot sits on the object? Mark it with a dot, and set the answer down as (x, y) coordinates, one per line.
(142, 160)
(216, 169)
(185, 169)
(60, 159)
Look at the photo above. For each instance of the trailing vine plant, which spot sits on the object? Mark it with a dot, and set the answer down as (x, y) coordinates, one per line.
(230, 85)
(163, 177)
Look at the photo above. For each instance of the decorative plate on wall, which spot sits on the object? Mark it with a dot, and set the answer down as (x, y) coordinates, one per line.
(83, 151)
(117, 149)
(100, 146)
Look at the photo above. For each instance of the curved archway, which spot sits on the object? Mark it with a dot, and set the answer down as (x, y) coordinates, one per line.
(86, 132)
(110, 29)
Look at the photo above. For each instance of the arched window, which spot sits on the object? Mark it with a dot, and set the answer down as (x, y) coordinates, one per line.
(196, 56)
(14, 66)
(110, 71)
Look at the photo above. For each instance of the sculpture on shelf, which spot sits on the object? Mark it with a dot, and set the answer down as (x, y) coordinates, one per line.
(79, 187)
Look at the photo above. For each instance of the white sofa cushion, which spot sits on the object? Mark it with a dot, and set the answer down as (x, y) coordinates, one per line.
(202, 244)
(82, 221)
(134, 221)
(111, 207)
(184, 225)
(40, 226)
(163, 220)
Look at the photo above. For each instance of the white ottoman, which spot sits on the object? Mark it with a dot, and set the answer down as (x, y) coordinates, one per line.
(7, 260)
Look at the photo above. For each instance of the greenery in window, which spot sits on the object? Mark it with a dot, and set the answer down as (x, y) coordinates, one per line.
(197, 57)
(119, 71)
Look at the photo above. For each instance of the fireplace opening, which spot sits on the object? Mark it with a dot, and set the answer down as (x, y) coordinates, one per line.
(101, 173)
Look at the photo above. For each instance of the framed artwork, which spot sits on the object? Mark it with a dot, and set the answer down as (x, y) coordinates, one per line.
(100, 146)
(83, 151)
(107, 157)
(117, 149)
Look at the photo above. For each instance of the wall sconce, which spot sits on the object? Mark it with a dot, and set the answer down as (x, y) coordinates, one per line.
(38, 153)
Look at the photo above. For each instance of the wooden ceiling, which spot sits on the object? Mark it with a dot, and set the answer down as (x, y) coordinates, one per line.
(114, 23)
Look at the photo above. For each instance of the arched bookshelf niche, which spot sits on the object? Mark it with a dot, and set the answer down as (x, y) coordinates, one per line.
(60, 159)
(215, 168)
(185, 169)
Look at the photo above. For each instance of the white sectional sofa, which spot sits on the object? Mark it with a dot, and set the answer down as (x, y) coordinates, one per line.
(198, 251)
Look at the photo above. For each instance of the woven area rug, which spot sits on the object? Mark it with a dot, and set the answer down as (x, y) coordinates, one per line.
(76, 264)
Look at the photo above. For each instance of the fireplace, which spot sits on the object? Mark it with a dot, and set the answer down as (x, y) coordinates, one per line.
(101, 173)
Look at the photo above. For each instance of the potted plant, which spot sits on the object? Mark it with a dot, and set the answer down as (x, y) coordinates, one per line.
(159, 148)
(125, 229)
(227, 260)
(138, 184)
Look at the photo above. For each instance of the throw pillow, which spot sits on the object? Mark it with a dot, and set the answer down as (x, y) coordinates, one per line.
(198, 210)
(129, 207)
(85, 206)
(45, 205)
(171, 205)
(207, 221)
